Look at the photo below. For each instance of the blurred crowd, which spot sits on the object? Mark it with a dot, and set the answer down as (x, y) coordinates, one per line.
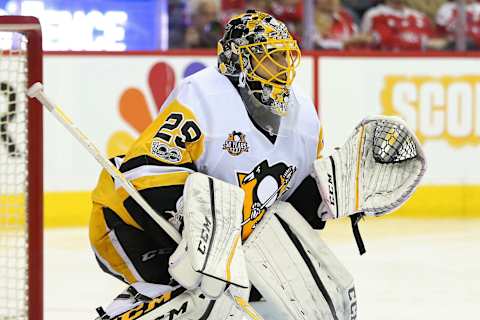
(339, 24)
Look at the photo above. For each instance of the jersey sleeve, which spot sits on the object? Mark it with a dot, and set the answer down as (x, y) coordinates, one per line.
(159, 162)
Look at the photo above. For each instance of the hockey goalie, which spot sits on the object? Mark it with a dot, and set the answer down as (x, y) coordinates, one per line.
(234, 162)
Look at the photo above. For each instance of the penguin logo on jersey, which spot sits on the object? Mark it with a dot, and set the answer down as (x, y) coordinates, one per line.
(262, 186)
(235, 143)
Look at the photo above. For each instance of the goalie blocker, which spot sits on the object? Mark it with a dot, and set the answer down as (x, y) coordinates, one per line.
(373, 173)
(210, 254)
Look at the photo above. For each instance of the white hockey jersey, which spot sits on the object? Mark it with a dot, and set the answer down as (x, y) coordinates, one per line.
(204, 126)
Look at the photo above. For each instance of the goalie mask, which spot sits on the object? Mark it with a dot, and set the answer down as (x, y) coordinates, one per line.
(259, 50)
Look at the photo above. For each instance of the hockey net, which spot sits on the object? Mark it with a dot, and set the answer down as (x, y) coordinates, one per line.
(21, 195)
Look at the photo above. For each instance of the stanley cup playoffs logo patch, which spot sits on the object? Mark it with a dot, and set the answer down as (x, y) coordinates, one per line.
(235, 143)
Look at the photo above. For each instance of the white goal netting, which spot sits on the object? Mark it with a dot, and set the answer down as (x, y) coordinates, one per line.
(13, 177)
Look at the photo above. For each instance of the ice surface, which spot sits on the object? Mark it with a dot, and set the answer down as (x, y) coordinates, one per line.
(413, 269)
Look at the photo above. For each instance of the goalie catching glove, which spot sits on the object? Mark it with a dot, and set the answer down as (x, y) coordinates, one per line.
(210, 253)
(374, 172)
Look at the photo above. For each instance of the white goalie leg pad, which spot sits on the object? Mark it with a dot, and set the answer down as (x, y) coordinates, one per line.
(210, 253)
(374, 172)
(300, 275)
(232, 305)
(326, 260)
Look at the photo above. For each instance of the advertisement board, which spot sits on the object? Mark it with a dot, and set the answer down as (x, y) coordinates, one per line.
(437, 96)
(113, 97)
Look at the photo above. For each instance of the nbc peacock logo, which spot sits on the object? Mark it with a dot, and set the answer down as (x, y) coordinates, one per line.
(134, 108)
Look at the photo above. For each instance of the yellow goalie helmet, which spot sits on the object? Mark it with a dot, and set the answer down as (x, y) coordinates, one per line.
(259, 50)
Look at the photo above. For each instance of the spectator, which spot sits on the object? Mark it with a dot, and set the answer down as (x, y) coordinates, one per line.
(394, 26)
(291, 13)
(259, 5)
(236, 5)
(429, 7)
(231, 8)
(447, 18)
(205, 28)
(335, 27)
(358, 7)
(177, 23)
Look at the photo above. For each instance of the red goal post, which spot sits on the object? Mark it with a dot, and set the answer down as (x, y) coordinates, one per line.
(21, 170)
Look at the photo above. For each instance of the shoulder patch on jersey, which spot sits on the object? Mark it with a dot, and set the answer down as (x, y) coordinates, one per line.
(235, 143)
(163, 151)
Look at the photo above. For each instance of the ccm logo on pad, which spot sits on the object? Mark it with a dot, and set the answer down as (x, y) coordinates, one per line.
(204, 236)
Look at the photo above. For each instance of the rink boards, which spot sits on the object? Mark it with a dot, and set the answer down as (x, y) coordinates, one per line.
(112, 97)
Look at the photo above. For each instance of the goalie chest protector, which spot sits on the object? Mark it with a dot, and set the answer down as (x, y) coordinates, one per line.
(235, 151)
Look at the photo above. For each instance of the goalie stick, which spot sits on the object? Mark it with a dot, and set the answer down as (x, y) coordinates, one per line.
(36, 91)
